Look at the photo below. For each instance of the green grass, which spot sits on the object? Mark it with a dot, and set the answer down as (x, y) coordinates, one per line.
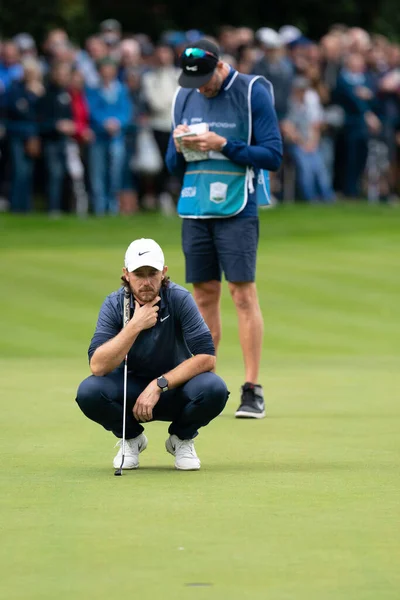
(303, 505)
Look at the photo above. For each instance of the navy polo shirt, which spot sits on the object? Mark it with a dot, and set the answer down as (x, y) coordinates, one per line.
(180, 332)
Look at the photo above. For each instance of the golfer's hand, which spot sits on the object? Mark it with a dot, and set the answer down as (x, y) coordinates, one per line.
(205, 142)
(145, 316)
(143, 409)
(177, 131)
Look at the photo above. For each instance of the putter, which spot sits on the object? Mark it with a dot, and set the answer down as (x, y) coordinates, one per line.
(126, 317)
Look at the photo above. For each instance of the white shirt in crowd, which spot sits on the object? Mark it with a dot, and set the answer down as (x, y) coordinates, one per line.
(159, 87)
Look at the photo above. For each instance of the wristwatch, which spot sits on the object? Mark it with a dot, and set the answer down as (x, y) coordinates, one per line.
(162, 383)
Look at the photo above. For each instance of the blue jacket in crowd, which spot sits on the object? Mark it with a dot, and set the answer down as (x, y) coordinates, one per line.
(8, 74)
(109, 103)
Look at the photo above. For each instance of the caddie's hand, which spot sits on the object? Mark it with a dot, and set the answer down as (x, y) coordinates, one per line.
(177, 131)
(143, 409)
(145, 316)
(205, 142)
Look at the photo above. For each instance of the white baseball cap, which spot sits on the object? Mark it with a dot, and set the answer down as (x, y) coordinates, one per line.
(269, 37)
(144, 253)
(289, 33)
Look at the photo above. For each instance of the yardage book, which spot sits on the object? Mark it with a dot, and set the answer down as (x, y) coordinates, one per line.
(194, 155)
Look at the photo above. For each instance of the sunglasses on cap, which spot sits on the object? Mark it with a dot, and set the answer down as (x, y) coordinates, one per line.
(197, 53)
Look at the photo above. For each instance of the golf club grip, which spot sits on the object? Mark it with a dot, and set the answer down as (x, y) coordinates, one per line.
(127, 306)
(125, 321)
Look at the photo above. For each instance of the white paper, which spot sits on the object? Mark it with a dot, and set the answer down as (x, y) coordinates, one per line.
(194, 155)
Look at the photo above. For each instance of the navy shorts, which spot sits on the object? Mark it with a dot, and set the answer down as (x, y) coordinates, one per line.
(216, 246)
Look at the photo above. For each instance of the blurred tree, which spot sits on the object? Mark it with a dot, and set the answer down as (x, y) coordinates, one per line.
(39, 17)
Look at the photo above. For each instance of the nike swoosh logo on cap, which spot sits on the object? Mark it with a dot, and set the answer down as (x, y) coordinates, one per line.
(145, 252)
(195, 68)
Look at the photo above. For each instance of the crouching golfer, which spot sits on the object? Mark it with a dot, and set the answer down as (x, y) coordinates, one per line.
(170, 359)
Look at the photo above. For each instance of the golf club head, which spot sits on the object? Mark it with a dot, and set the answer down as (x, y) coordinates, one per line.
(118, 472)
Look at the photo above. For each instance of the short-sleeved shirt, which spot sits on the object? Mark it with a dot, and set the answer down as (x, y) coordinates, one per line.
(180, 332)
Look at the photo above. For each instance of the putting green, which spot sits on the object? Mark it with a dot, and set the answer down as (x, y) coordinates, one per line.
(303, 505)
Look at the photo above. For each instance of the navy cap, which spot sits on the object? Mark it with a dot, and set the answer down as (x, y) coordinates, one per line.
(198, 62)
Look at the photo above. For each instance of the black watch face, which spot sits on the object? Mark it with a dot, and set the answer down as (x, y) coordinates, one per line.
(162, 382)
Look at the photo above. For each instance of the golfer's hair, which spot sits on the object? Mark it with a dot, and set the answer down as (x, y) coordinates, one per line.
(164, 283)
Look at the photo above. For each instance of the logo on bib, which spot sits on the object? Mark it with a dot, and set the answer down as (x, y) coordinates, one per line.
(188, 192)
(218, 191)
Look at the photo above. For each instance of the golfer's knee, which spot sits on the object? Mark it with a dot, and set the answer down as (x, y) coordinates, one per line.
(89, 394)
(215, 393)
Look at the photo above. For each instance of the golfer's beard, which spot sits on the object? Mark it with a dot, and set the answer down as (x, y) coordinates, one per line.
(146, 295)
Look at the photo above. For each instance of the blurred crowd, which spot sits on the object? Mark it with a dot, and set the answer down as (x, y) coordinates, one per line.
(85, 129)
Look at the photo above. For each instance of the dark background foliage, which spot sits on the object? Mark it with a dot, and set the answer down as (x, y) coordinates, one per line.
(81, 17)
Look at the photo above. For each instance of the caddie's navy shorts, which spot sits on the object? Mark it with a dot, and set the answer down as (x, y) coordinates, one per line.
(216, 246)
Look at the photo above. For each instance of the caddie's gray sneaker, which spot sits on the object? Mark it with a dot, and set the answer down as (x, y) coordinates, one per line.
(133, 448)
(252, 404)
(186, 458)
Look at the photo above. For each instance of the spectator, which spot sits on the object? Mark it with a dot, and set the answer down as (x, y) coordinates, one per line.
(244, 36)
(80, 109)
(146, 50)
(129, 199)
(299, 52)
(228, 40)
(130, 57)
(55, 38)
(56, 126)
(330, 117)
(273, 67)
(246, 58)
(389, 103)
(279, 55)
(87, 60)
(76, 145)
(26, 45)
(331, 59)
(355, 94)
(159, 88)
(21, 114)
(110, 111)
(64, 52)
(301, 131)
(111, 33)
(359, 40)
(10, 65)
(133, 81)
(137, 182)
(3, 147)
(289, 34)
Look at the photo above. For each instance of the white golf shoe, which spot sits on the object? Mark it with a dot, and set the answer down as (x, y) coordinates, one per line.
(133, 448)
(186, 458)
